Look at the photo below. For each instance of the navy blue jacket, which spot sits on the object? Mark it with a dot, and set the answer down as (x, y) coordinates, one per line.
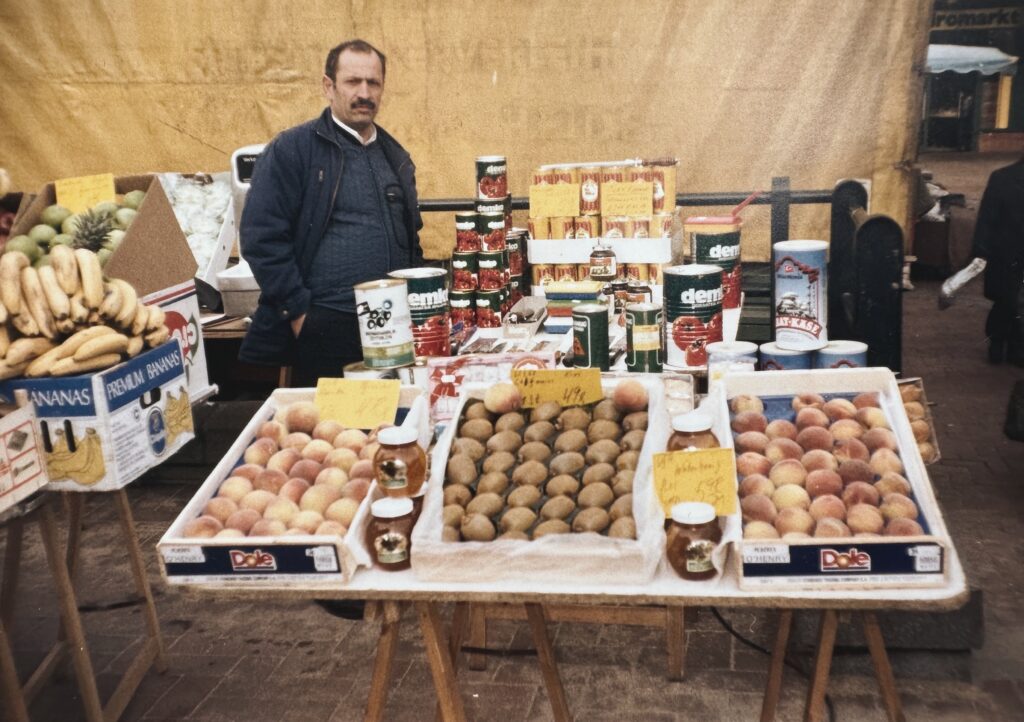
(287, 210)
(999, 233)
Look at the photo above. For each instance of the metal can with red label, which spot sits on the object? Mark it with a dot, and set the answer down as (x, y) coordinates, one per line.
(636, 271)
(542, 273)
(490, 270)
(587, 227)
(642, 227)
(466, 237)
(491, 176)
(613, 174)
(661, 225)
(517, 289)
(464, 271)
(564, 272)
(506, 300)
(428, 308)
(515, 240)
(488, 309)
(463, 305)
(562, 228)
(693, 313)
(540, 228)
(617, 227)
(491, 229)
(590, 190)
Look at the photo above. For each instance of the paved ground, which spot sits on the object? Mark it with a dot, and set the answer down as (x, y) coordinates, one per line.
(290, 661)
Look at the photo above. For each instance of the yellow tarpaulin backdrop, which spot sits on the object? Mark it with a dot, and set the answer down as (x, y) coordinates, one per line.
(740, 91)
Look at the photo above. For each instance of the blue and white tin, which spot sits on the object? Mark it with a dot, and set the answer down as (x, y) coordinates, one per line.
(801, 294)
(774, 358)
(841, 355)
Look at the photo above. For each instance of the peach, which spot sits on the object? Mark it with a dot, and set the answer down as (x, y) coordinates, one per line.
(860, 492)
(891, 482)
(256, 500)
(811, 416)
(846, 429)
(758, 507)
(283, 510)
(302, 416)
(318, 497)
(356, 489)
(851, 449)
(317, 450)
(837, 409)
(270, 480)
(922, 431)
(927, 452)
(866, 400)
(342, 458)
(885, 460)
(327, 430)
(879, 438)
(914, 409)
(788, 472)
(903, 527)
(803, 401)
(295, 532)
(331, 475)
(260, 451)
(910, 392)
(746, 402)
(864, 518)
(234, 488)
(828, 506)
(243, 519)
(362, 469)
(369, 451)
(756, 484)
(822, 482)
(749, 421)
(202, 527)
(814, 437)
(819, 459)
(267, 527)
(629, 396)
(293, 489)
(790, 496)
(794, 519)
(306, 469)
(791, 535)
(330, 528)
(897, 506)
(220, 508)
(307, 521)
(760, 530)
(779, 449)
(230, 533)
(274, 430)
(505, 397)
(749, 463)
(296, 440)
(342, 511)
(866, 535)
(855, 470)
(831, 528)
(781, 429)
(284, 460)
(872, 417)
(249, 471)
(350, 439)
(751, 441)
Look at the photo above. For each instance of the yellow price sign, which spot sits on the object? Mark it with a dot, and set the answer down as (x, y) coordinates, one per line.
(358, 403)
(570, 387)
(707, 475)
(83, 192)
(627, 199)
(555, 201)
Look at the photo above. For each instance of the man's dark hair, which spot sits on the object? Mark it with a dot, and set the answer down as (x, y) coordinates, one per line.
(357, 46)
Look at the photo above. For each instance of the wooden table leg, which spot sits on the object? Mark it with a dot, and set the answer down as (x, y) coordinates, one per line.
(883, 670)
(776, 667)
(382, 663)
(12, 566)
(460, 621)
(815, 708)
(440, 663)
(548, 666)
(675, 642)
(477, 636)
(73, 503)
(13, 706)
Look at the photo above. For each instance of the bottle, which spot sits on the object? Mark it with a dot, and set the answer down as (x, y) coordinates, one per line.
(692, 431)
(693, 535)
(603, 266)
(400, 465)
(389, 533)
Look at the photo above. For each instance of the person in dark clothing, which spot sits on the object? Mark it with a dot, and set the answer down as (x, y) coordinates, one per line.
(332, 204)
(999, 239)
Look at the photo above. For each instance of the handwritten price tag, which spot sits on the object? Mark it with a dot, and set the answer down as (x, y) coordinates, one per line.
(569, 388)
(707, 475)
(627, 199)
(554, 201)
(358, 403)
(82, 193)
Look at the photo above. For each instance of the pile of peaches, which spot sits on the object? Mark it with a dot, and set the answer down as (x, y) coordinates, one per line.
(299, 476)
(827, 469)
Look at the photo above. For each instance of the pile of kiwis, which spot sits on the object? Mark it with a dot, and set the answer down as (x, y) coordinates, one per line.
(529, 473)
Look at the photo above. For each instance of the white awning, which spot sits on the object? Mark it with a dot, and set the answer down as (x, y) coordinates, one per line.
(970, 59)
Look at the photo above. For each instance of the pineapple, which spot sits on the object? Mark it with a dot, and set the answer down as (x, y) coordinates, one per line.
(92, 230)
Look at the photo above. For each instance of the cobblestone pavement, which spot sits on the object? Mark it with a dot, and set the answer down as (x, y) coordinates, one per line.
(257, 660)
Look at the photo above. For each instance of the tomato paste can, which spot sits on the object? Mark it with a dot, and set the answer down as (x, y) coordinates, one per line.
(613, 174)
(641, 227)
(636, 272)
(562, 228)
(654, 274)
(542, 273)
(616, 227)
(540, 228)
(514, 241)
(590, 190)
(488, 308)
(587, 227)
(517, 289)
(773, 358)
(464, 271)
(428, 308)
(565, 272)
(717, 243)
(385, 324)
(463, 305)
(490, 270)
(661, 225)
(841, 355)
(491, 229)
(466, 237)
(590, 336)
(644, 323)
(491, 176)
(693, 313)
(801, 294)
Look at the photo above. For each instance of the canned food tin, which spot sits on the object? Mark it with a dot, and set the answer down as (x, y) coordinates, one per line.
(636, 272)
(542, 273)
(385, 325)
(801, 300)
(541, 177)
(638, 174)
(590, 190)
(617, 226)
(654, 272)
(841, 354)
(562, 228)
(515, 262)
(590, 336)
(560, 175)
(587, 227)
(620, 289)
(359, 370)
(491, 229)
(428, 308)
(463, 305)
(661, 225)
(517, 289)
(564, 272)
(505, 302)
(488, 309)
(642, 227)
(466, 237)
(643, 337)
(693, 313)
(613, 174)
(774, 358)
(491, 176)
(638, 292)
(718, 244)
(539, 228)
(490, 270)
(464, 270)
(663, 176)
(492, 205)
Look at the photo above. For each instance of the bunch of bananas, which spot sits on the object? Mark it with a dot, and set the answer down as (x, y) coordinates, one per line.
(67, 319)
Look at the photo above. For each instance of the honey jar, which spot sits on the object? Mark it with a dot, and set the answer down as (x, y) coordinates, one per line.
(400, 465)
(693, 535)
(389, 533)
(692, 431)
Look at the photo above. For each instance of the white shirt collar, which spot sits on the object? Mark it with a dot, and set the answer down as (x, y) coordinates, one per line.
(355, 133)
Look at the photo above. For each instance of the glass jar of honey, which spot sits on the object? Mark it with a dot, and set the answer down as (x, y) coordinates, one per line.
(692, 431)
(693, 535)
(389, 533)
(400, 464)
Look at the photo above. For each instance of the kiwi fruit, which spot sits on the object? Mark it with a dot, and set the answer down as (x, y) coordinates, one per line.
(623, 506)
(547, 411)
(476, 410)
(592, 519)
(551, 526)
(457, 494)
(519, 518)
(450, 534)
(603, 429)
(598, 473)
(603, 451)
(512, 421)
(540, 431)
(632, 440)
(493, 481)
(635, 420)
(627, 460)
(461, 470)
(525, 495)
(623, 482)
(479, 429)
(504, 441)
(499, 461)
(477, 527)
(623, 528)
(535, 451)
(569, 462)
(452, 514)
(514, 535)
(606, 410)
(487, 504)
(470, 447)
(557, 507)
(533, 473)
(593, 495)
(571, 440)
(562, 485)
(574, 418)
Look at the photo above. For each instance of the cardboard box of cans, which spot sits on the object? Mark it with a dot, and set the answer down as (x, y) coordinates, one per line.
(864, 562)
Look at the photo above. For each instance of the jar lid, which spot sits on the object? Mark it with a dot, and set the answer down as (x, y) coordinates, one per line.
(391, 507)
(397, 435)
(692, 512)
(692, 422)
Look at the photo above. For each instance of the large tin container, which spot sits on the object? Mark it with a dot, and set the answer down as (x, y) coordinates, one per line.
(774, 358)
(716, 240)
(466, 236)
(801, 294)
(693, 313)
(429, 310)
(840, 355)
(644, 330)
(491, 176)
(590, 336)
(385, 324)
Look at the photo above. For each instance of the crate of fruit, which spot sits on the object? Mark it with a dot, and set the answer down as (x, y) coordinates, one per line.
(545, 493)
(286, 501)
(922, 423)
(832, 487)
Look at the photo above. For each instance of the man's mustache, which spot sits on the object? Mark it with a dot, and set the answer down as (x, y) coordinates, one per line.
(368, 104)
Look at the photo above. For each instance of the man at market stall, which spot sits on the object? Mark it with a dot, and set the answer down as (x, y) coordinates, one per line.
(332, 204)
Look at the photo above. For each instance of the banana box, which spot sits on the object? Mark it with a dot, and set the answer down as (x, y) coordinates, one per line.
(181, 316)
(101, 431)
(22, 468)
